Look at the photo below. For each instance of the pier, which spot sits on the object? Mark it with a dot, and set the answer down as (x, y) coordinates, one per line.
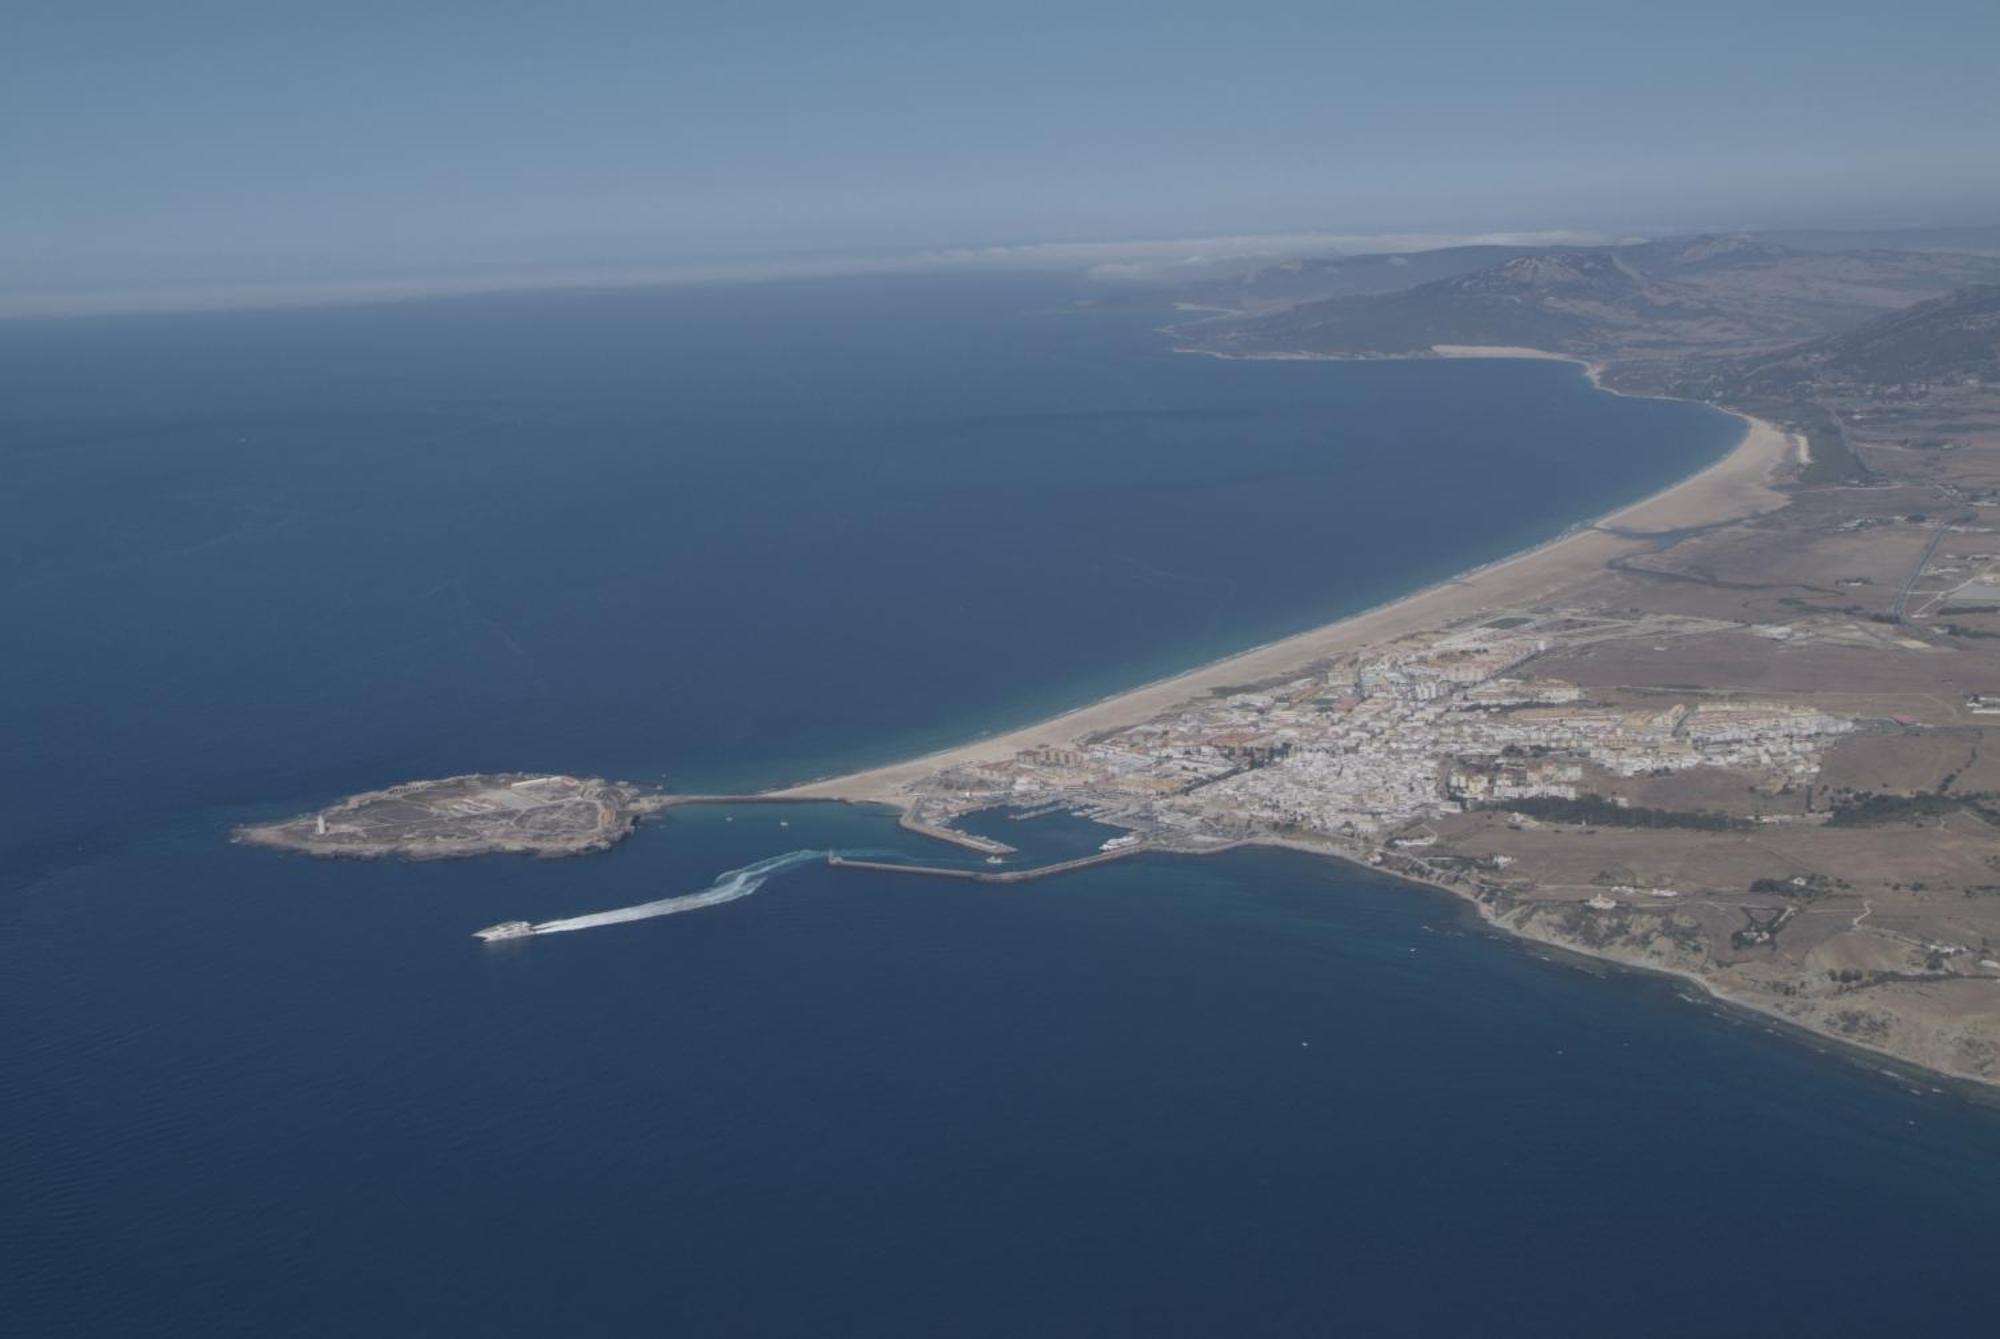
(987, 876)
(938, 832)
(935, 831)
(668, 800)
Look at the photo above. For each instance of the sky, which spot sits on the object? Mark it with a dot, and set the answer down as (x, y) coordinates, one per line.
(218, 142)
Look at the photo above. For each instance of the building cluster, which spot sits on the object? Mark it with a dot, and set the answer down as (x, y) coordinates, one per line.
(1364, 746)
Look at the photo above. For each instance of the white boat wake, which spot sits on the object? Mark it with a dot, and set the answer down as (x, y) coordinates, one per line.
(726, 888)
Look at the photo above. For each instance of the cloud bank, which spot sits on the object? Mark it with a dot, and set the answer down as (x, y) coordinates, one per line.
(1137, 261)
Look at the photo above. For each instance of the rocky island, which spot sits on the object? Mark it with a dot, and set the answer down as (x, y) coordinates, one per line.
(480, 814)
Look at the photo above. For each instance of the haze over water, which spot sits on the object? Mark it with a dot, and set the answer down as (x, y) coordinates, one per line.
(726, 537)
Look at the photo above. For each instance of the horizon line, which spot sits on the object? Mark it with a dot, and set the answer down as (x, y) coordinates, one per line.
(1135, 261)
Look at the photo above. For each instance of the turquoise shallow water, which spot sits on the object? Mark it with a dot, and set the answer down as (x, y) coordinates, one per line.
(731, 536)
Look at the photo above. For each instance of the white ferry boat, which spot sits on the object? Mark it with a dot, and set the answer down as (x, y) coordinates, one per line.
(505, 930)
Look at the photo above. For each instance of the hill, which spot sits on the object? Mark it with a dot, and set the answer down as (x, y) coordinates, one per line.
(1562, 300)
(1951, 339)
(1288, 283)
(1714, 295)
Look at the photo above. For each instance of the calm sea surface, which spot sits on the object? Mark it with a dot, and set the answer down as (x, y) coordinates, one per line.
(726, 537)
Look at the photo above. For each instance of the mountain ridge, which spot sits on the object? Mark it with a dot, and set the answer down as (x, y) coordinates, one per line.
(1730, 295)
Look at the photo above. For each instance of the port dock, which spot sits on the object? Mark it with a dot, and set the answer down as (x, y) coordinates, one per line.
(988, 876)
(669, 800)
(935, 831)
(938, 832)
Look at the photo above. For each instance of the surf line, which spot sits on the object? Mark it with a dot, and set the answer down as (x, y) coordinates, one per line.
(727, 887)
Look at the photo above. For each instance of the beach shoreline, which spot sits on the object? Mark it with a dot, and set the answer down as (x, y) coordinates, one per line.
(1742, 483)
(1733, 487)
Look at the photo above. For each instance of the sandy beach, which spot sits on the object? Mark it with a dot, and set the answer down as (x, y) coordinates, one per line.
(1738, 485)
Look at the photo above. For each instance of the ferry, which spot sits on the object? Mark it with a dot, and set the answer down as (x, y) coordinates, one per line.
(1120, 843)
(505, 930)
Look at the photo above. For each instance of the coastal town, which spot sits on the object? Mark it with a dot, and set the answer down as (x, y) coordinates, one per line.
(1366, 746)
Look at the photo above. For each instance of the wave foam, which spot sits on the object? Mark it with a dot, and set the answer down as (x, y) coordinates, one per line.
(726, 888)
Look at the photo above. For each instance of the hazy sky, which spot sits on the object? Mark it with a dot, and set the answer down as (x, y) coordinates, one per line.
(207, 140)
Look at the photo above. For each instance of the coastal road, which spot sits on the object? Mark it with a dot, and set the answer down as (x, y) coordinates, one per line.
(1903, 596)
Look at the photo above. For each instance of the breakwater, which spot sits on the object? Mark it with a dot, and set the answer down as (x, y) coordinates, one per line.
(936, 831)
(654, 803)
(971, 841)
(985, 875)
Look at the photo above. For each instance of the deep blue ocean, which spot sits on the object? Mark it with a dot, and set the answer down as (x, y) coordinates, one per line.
(725, 537)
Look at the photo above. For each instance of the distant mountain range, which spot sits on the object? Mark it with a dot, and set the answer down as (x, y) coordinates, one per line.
(1288, 283)
(1705, 295)
(1552, 300)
